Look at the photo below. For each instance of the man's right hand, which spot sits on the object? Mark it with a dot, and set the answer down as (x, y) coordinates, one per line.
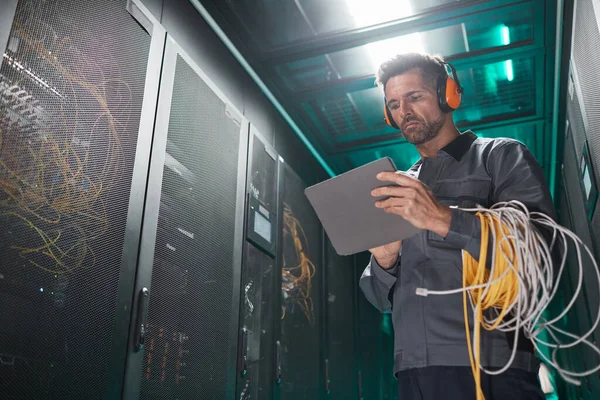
(387, 255)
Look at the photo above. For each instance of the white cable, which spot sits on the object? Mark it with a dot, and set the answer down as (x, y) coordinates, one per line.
(538, 282)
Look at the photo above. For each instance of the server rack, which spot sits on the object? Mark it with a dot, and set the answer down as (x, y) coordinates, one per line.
(257, 354)
(183, 343)
(76, 116)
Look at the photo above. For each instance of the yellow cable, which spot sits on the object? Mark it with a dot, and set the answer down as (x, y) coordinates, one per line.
(500, 295)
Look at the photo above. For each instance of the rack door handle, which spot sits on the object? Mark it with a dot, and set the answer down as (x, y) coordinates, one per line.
(278, 362)
(243, 362)
(141, 320)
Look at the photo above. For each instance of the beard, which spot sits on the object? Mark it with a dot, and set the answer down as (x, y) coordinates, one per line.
(423, 132)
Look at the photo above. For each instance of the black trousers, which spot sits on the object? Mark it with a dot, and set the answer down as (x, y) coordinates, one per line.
(457, 383)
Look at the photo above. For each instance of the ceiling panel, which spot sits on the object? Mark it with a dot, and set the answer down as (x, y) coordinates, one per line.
(277, 23)
(348, 117)
(482, 31)
(312, 55)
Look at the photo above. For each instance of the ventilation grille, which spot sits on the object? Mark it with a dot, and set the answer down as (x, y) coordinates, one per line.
(340, 116)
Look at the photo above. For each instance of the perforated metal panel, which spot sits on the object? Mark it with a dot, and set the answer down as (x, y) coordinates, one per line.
(189, 319)
(341, 342)
(586, 57)
(301, 288)
(71, 90)
(581, 227)
(576, 123)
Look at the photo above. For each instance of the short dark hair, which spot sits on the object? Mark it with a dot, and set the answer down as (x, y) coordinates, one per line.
(431, 67)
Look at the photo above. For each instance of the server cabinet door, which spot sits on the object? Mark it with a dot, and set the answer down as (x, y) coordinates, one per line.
(301, 285)
(369, 339)
(184, 336)
(78, 89)
(341, 355)
(256, 357)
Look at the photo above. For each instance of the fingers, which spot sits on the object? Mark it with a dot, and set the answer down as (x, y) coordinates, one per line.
(395, 191)
(395, 205)
(399, 178)
(394, 202)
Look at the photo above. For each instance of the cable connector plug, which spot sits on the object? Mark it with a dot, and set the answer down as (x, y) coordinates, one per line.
(422, 292)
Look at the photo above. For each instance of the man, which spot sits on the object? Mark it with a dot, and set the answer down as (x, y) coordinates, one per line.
(431, 360)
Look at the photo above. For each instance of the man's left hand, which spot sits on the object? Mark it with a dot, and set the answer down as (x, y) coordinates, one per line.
(413, 201)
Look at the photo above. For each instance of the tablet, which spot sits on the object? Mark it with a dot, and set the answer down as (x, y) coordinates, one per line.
(348, 214)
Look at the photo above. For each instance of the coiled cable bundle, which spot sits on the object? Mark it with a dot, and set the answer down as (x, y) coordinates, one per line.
(518, 283)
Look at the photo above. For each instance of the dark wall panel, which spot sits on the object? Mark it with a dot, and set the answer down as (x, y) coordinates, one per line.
(259, 110)
(155, 7)
(188, 28)
(295, 153)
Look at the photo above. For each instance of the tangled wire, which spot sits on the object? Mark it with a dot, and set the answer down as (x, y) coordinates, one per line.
(57, 163)
(297, 275)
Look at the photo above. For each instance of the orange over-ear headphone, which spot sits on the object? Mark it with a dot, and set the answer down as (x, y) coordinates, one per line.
(449, 93)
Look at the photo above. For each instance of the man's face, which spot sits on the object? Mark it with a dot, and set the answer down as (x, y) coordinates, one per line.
(414, 107)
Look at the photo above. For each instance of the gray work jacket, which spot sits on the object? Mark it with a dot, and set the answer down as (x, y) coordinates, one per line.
(430, 330)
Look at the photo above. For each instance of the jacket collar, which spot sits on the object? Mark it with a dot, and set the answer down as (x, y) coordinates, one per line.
(459, 146)
(455, 149)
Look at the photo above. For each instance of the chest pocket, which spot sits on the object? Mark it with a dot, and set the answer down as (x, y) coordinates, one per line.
(465, 192)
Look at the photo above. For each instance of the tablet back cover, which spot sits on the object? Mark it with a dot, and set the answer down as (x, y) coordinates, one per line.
(348, 214)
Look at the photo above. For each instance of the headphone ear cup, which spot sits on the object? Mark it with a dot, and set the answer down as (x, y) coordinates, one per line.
(388, 117)
(441, 95)
(453, 95)
(449, 95)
